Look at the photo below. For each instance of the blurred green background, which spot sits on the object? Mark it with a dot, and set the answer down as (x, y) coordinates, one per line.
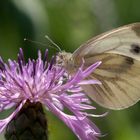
(69, 23)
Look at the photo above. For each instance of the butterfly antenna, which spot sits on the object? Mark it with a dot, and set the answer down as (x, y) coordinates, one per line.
(39, 43)
(53, 43)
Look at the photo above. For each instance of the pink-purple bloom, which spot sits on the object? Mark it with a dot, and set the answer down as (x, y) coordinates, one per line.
(45, 82)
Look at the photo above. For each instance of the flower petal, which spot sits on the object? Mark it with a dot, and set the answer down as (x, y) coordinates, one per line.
(88, 82)
(4, 122)
(83, 128)
(91, 68)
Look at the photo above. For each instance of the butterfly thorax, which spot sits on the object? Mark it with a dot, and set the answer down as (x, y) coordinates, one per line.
(66, 60)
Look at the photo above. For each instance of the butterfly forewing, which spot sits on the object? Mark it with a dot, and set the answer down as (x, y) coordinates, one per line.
(119, 51)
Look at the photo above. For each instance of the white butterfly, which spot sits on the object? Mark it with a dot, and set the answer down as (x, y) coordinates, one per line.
(119, 73)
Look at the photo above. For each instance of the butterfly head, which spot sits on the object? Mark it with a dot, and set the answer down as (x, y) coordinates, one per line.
(65, 59)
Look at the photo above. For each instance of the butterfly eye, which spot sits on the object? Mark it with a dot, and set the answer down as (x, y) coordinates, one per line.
(59, 60)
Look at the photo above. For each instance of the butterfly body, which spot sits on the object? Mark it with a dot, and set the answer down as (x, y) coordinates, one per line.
(119, 73)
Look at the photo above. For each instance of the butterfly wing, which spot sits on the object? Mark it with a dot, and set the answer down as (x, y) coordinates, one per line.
(119, 51)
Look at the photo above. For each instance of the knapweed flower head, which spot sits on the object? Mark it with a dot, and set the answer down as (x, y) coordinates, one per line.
(45, 82)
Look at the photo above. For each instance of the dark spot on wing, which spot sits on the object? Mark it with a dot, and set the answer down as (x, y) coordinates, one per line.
(135, 49)
(129, 60)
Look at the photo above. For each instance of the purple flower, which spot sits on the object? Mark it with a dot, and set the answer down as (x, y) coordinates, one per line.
(47, 83)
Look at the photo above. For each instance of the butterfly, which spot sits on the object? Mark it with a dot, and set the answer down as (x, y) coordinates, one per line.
(119, 73)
